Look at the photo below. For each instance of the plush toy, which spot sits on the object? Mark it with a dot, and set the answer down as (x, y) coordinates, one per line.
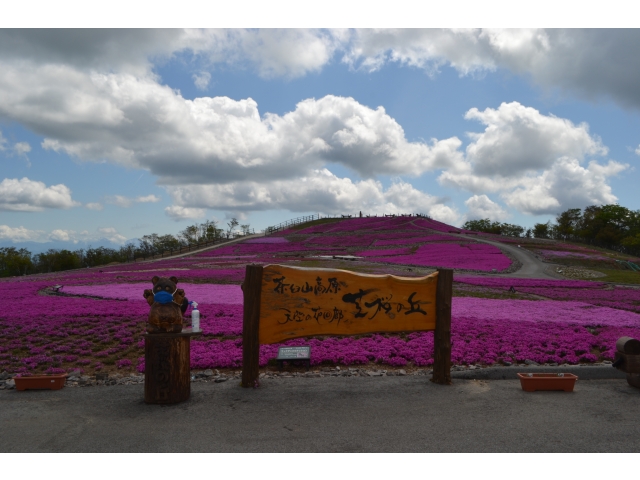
(168, 304)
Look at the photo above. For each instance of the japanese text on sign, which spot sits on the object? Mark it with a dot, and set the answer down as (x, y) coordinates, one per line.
(298, 302)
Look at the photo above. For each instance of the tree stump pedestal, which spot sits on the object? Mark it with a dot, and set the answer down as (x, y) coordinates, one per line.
(167, 371)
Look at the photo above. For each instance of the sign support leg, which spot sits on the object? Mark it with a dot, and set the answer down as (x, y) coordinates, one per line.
(251, 287)
(442, 334)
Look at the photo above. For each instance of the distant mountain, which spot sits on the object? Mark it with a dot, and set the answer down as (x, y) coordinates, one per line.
(38, 247)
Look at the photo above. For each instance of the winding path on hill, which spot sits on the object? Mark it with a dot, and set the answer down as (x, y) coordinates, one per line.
(532, 267)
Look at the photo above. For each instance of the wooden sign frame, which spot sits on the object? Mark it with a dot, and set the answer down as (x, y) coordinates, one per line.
(253, 287)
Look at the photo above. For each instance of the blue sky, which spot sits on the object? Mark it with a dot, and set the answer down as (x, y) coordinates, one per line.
(109, 135)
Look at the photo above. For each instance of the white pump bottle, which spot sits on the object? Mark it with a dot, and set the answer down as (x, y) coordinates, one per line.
(195, 317)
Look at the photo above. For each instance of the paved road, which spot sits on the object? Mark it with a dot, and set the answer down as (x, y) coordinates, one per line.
(332, 414)
(532, 267)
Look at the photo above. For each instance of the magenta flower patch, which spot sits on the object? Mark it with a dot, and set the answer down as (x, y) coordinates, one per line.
(201, 293)
(481, 257)
(268, 240)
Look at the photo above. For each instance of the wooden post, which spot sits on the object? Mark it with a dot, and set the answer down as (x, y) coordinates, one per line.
(251, 287)
(442, 333)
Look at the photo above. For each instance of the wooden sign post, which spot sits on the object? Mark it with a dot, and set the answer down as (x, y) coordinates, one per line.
(281, 303)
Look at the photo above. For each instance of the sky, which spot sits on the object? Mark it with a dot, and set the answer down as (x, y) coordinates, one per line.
(110, 134)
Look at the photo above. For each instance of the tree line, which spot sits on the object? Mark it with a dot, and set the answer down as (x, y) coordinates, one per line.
(608, 226)
(14, 261)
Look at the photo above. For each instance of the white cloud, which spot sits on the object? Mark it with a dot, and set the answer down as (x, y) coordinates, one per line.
(138, 123)
(371, 49)
(93, 95)
(201, 80)
(62, 235)
(103, 233)
(94, 206)
(566, 185)
(147, 199)
(223, 141)
(119, 201)
(26, 195)
(112, 235)
(638, 150)
(533, 161)
(126, 202)
(184, 213)
(518, 139)
(589, 62)
(481, 206)
(22, 234)
(320, 191)
(270, 52)
(21, 148)
(91, 49)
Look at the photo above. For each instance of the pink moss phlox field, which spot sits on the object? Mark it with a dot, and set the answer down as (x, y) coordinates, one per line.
(53, 330)
(388, 252)
(619, 297)
(579, 322)
(211, 274)
(481, 257)
(478, 336)
(218, 252)
(342, 240)
(185, 268)
(505, 282)
(594, 293)
(435, 225)
(267, 250)
(75, 331)
(201, 293)
(418, 239)
(550, 254)
(548, 311)
(269, 240)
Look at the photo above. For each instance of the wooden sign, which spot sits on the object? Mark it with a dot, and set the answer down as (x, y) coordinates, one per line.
(282, 303)
(298, 302)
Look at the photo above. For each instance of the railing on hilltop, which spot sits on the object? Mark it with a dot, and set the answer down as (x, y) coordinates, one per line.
(294, 221)
(311, 218)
